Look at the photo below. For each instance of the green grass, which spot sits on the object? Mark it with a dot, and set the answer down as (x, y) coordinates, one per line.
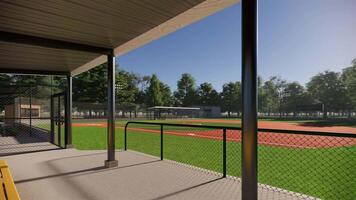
(318, 122)
(327, 173)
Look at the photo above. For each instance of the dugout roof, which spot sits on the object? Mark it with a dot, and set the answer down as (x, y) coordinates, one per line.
(172, 108)
(72, 36)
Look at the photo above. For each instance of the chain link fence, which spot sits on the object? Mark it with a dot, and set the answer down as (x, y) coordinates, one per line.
(321, 165)
(306, 165)
(25, 112)
(205, 147)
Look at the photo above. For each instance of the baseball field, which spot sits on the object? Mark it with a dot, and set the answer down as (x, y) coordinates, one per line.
(318, 166)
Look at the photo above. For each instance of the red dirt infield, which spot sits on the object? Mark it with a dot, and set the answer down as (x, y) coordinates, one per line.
(264, 138)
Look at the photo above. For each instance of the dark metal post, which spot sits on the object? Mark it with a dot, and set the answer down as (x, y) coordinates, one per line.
(224, 152)
(52, 120)
(161, 141)
(111, 162)
(249, 90)
(20, 110)
(59, 121)
(30, 110)
(125, 136)
(68, 113)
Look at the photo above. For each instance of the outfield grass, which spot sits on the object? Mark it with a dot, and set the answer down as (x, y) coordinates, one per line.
(317, 122)
(327, 173)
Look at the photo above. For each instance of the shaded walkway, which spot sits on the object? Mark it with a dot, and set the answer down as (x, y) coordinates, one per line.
(73, 174)
(23, 143)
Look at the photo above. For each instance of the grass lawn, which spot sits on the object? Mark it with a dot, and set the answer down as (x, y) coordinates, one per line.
(327, 173)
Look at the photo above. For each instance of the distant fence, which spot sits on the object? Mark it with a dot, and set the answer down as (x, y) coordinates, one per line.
(317, 164)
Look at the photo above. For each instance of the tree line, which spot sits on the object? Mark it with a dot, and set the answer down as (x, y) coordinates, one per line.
(336, 91)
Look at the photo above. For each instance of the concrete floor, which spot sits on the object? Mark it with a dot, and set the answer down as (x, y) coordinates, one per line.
(72, 174)
(23, 143)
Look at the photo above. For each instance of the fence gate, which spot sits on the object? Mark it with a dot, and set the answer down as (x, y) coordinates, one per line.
(58, 136)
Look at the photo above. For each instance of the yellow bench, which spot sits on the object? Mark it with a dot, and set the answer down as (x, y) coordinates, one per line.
(7, 187)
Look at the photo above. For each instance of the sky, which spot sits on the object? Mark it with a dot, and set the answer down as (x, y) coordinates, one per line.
(296, 40)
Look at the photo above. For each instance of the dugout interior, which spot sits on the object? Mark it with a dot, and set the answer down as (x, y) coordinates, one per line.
(32, 110)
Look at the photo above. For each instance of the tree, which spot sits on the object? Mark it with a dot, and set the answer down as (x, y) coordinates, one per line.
(126, 91)
(167, 99)
(349, 79)
(5, 79)
(186, 92)
(231, 97)
(207, 95)
(154, 95)
(126, 87)
(294, 95)
(271, 92)
(328, 88)
(91, 86)
(143, 84)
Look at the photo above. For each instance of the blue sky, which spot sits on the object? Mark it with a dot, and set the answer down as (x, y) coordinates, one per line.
(297, 39)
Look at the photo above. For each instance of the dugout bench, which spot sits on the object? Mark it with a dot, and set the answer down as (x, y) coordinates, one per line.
(8, 189)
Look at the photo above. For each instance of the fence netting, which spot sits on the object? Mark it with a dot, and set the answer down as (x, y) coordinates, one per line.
(193, 146)
(308, 165)
(25, 107)
(304, 166)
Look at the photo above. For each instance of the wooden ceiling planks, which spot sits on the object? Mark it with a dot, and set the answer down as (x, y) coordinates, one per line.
(122, 25)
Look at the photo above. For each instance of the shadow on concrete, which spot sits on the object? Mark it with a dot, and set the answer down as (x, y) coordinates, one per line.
(83, 172)
(187, 189)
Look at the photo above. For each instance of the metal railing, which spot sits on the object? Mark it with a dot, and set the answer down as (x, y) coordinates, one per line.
(223, 128)
(277, 150)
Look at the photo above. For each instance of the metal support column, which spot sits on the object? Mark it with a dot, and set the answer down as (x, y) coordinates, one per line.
(224, 152)
(111, 162)
(30, 110)
(52, 120)
(161, 141)
(249, 90)
(68, 113)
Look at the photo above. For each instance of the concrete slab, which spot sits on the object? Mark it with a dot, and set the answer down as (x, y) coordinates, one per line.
(74, 174)
(23, 143)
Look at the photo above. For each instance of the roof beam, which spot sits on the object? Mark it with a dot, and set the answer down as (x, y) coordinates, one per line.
(32, 72)
(50, 43)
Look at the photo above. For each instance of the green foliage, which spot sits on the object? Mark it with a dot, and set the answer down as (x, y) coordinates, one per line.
(186, 92)
(231, 97)
(91, 86)
(294, 95)
(167, 98)
(208, 96)
(349, 78)
(329, 89)
(154, 94)
(271, 94)
(5, 79)
(126, 87)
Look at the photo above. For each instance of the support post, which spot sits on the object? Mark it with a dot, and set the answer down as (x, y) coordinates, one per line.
(125, 137)
(59, 121)
(161, 141)
(249, 89)
(19, 113)
(68, 113)
(52, 120)
(224, 152)
(111, 162)
(31, 110)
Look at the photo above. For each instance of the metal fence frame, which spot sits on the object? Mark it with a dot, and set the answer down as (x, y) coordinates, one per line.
(224, 137)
